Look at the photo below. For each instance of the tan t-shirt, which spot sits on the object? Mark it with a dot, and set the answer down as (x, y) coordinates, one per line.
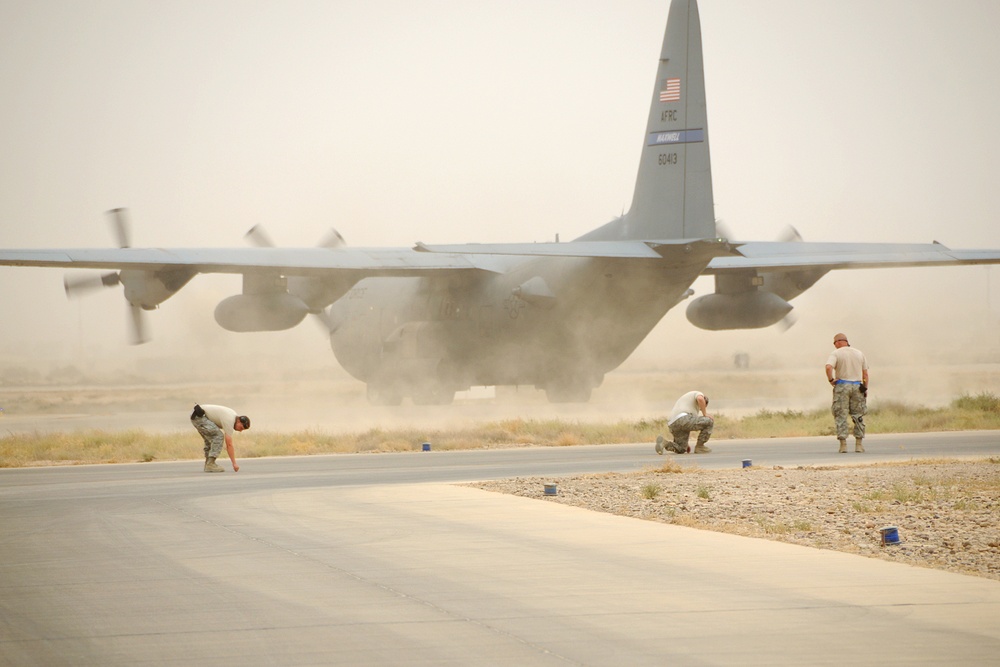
(222, 417)
(848, 364)
(685, 405)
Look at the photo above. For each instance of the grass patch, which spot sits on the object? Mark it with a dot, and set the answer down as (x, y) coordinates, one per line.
(967, 505)
(651, 491)
(977, 412)
(898, 493)
(670, 467)
(983, 402)
(773, 527)
(769, 423)
(863, 508)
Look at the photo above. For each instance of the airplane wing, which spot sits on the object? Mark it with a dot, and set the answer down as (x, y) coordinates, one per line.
(367, 261)
(754, 285)
(757, 255)
(794, 256)
(738, 256)
(287, 261)
(617, 249)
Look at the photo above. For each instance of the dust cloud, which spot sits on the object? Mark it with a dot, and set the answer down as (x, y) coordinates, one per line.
(924, 348)
(461, 122)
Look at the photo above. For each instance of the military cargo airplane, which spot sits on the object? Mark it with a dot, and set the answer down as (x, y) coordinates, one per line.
(426, 321)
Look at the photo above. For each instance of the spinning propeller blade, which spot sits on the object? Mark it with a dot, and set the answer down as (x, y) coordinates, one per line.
(787, 322)
(138, 328)
(79, 285)
(119, 223)
(258, 237)
(332, 240)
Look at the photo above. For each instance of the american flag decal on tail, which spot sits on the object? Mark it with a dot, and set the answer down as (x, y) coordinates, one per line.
(671, 90)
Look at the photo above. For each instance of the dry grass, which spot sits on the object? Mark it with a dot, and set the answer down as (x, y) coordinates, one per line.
(32, 449)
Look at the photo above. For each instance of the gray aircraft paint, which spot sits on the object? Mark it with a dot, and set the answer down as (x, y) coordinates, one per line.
(426, 321)
(673, 190)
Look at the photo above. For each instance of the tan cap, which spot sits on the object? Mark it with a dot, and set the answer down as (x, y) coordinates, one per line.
(839, 336)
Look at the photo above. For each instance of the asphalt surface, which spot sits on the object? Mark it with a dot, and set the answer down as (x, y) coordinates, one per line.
(381, 559)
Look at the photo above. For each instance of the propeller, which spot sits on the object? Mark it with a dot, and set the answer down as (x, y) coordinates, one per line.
(120, 224)
(138, 330)
(788, 235)
(257, 236)
(327, 321)
(82, 284)
(332, 240)
(722, 230)
(87, 283)
(787, 322)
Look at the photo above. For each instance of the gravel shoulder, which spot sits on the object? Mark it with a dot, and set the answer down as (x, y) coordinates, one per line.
(947, 513)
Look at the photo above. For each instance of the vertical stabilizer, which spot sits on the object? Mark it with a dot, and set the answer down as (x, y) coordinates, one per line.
(673, 191)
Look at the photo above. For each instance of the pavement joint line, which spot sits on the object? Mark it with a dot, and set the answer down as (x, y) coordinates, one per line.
(388, 589)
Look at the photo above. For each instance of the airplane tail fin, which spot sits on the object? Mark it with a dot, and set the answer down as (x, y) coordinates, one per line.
(673, 191)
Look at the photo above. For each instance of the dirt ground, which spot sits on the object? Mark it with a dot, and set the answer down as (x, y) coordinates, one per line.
(944, 513)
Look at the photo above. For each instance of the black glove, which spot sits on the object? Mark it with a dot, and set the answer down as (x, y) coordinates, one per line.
(198, 412)
(864, 390)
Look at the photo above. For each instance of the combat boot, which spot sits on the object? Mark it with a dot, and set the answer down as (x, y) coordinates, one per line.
(858, 447)
(701, 449)
(212, 466)
(843, 446)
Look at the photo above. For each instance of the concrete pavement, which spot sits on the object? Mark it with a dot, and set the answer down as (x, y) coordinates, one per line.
(155, 564)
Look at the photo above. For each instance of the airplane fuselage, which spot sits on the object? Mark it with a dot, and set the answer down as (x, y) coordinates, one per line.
(428, 320)
(555, 323)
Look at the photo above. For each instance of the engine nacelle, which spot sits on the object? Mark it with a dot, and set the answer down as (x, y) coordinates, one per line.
(754, 309)
(260, 312)
(149, 289)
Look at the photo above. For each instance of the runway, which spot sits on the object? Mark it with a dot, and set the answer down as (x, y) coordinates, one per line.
(381, 559)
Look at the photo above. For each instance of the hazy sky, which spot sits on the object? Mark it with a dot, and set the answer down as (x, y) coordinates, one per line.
(453, 121)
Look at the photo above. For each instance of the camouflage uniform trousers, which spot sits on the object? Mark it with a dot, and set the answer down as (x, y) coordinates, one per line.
(212, 435)
(849, 402)
(681, 430)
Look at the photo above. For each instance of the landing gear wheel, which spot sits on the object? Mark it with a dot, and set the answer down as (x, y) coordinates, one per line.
(381, 394)
(561, 393)
(432, 394)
